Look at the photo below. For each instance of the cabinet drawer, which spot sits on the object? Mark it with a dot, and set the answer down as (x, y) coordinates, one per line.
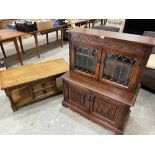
(45, 92)
(44, 84)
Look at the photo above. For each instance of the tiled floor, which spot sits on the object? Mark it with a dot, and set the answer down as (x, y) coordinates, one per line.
(49, 117)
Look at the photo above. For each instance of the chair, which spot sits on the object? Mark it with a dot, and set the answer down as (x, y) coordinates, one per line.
(148, 79)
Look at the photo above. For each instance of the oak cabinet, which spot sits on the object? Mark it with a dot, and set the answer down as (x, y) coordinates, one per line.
(105, 73)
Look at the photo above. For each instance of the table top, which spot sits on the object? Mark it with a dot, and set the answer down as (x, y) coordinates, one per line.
(29, 73)
(6, 34)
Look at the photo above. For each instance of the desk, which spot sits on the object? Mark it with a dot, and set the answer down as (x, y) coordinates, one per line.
(30, 83)
(46, 31)
(11, 35)
(79, 22)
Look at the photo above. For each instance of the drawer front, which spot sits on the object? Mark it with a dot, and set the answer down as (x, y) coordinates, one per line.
(44, 84)
(45, 93)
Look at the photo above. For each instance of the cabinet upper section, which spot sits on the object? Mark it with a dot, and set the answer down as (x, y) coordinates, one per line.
(113, 35)
(111, 57)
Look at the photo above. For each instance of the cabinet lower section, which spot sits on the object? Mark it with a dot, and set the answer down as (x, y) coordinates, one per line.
(95, 106)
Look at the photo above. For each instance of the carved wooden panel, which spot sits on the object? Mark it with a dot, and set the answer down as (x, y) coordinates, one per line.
(104, 109)
(79, 96)
(125, 46)
(87, 39)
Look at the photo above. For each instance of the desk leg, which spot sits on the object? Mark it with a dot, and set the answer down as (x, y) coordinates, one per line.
(21, 44)
(101, 21)
(37, 47)
(89, 23)
(47, 38)
(18, 52)
(93, 22)
(62, 31)
(57, 34)
(2, 48)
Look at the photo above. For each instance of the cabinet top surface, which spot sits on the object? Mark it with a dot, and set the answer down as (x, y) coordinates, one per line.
(116, 35)
(29, 73)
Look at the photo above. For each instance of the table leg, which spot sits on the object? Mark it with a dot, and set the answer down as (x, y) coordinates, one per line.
(57, 34)
(18, 52)
(101, 21)
(62, 36)
(21, 44)
(93, 22)
(36, 42)
(2, 48)
(47, 38)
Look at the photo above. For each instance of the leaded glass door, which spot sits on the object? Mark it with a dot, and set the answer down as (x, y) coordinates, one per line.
(119, 68)
(84, 59)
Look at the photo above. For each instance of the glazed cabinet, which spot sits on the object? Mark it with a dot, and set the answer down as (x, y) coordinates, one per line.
(105, 73)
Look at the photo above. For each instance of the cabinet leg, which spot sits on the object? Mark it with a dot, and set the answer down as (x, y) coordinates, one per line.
(14, 108)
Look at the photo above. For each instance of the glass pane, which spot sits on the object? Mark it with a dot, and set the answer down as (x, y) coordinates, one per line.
(85, 59)
(118, 68)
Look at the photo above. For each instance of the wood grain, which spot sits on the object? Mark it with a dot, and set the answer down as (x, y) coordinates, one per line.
(21, 75)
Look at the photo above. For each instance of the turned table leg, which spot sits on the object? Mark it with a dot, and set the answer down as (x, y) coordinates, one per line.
(2, 48)
(18, 52)
(36, 42)
(21, 44)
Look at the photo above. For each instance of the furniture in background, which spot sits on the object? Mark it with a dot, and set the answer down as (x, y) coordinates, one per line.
(49, 29)
(148, 79)
(106, 28)
(30, 83)
(119, 23)
(12, 35)
(5, 22)
(105, 73)
(2, 64)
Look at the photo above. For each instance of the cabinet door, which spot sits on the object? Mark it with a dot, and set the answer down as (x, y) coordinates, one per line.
(108, 110)
(120, 69)
(84, 59)
(79, 96)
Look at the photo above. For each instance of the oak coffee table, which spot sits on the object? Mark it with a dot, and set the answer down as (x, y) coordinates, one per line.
(30, 83)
